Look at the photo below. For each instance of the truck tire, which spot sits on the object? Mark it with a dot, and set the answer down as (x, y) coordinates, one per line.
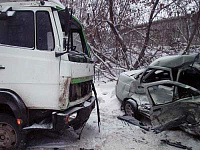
(10, 135)
(130, 108)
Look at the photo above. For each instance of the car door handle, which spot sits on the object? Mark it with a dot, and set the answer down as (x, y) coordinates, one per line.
(2, 67)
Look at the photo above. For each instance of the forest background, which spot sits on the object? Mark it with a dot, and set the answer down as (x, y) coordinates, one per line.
(129, 34)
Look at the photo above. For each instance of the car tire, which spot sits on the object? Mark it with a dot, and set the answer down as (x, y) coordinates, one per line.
(130, 108)
(10, 135)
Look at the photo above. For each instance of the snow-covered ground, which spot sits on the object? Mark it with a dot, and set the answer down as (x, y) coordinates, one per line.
(114, 135)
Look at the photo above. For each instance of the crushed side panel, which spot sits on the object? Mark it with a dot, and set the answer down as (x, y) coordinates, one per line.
(64, 92)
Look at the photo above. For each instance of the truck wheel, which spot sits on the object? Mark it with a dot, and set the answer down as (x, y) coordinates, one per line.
(10, 135)
(130, 108)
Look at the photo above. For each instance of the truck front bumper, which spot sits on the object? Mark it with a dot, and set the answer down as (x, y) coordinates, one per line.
(61, 119)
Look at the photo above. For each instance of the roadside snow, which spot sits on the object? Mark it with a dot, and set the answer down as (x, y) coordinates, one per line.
(114, 135)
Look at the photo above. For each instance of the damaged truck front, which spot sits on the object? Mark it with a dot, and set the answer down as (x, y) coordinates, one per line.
(46, 71)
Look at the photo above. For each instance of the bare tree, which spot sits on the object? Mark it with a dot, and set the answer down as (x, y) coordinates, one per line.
(142, 53)
(196, 26)
(122, 37)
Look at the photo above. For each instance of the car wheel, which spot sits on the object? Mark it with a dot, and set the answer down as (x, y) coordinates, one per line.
(130, 108)
(10, 135)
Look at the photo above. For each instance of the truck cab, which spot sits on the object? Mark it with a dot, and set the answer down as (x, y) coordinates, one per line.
(46, 71)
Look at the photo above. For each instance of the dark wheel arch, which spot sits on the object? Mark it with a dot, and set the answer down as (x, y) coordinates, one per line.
(13, 101)
(130, 100)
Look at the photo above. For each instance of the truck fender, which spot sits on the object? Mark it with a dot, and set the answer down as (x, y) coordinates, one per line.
(14, 101)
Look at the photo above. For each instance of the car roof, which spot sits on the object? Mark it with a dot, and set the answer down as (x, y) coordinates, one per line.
(176, 61)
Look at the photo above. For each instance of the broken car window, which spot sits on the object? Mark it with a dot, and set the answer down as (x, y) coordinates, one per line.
(146, 75)
(18, 30)
(161, 94)
(45, 39)
(185, 93)
(153, 75)
(187, 76)
(166, 93)
(137, 76)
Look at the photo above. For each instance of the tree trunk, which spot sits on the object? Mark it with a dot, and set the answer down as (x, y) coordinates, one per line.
(193, 33)
(117, 35)
(142, 53)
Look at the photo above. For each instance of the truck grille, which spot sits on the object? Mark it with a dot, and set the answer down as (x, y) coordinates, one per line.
(79, 90)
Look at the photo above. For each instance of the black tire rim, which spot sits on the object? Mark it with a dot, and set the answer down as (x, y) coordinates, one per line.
(129, 110)
(8, 136)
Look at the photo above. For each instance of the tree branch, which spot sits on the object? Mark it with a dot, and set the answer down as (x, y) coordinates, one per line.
(193, 33)
(142, 53)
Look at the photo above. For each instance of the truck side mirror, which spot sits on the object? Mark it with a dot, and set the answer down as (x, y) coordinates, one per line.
(6, 12)
(10, 13)
(68, 18)
(64, 43)
(67, 21)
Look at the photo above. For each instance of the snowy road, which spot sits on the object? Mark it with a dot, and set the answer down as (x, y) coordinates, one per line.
(114, 135)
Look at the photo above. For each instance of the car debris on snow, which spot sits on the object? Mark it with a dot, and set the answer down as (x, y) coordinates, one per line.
(176, 144)
(85, 149)
(133, 121)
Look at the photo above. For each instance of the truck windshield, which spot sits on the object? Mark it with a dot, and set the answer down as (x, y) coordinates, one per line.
(18, 30)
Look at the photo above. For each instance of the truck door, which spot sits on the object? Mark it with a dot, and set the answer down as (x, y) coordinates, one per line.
(27, 57)
(82, 68)
(76, 69)
(79, 55)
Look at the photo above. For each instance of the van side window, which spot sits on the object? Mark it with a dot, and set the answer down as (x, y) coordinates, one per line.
(18, 30)
(45, 38)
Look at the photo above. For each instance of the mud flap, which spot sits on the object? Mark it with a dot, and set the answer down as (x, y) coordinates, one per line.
(97, 103)
(133, 121)
(176, 144)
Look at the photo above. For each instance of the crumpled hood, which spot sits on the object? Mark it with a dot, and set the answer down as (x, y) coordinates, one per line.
(133, 72)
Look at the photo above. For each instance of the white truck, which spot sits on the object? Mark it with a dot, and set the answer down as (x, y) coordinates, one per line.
(46, 71)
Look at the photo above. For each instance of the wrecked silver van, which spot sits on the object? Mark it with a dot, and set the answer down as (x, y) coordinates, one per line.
(167, 92)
